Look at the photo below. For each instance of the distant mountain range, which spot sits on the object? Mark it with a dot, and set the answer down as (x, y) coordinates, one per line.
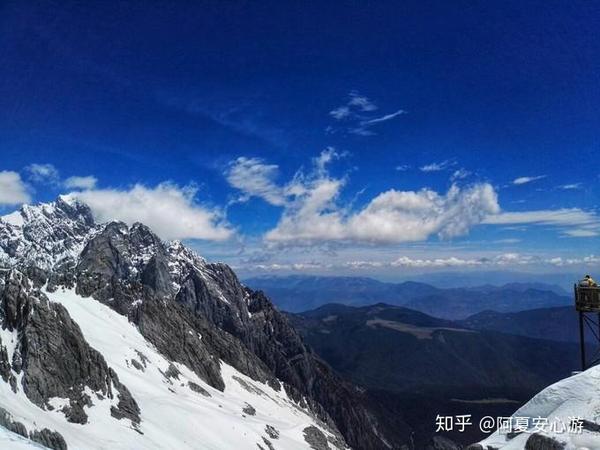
(302, 293)
(561, 281)
(422, 366)
(559, 324)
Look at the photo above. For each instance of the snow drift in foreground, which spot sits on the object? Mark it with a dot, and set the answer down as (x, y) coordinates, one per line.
(178, 409)
(574, 397)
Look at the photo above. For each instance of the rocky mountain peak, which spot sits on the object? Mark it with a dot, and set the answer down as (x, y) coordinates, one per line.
(45, 235)
(195, 314)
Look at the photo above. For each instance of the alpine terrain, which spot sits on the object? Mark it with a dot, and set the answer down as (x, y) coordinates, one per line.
(112, 338)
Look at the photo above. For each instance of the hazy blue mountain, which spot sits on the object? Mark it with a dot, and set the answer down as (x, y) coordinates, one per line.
(561, 283)
(559, 324)
(301, 293)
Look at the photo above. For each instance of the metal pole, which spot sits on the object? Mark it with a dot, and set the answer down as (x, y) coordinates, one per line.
(582, 340)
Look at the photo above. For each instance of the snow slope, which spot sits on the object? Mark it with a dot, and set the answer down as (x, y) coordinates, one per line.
(173, 415)
(12, 441)
(576, 396)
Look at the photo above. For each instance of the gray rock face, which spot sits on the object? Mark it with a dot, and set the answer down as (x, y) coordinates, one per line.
(198, 389)
(249, 409)
(51, 352)
(315, 438)
(540, 442)
(272, 432)
(46, 437)
(237, 325)
(7, 422)
(193, 312)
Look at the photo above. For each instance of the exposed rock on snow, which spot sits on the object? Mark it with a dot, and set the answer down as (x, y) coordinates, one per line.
(108, 336)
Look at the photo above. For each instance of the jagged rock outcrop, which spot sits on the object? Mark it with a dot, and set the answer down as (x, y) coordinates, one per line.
(50, 351)
(194, 313)
(46, 437)
(231, 318)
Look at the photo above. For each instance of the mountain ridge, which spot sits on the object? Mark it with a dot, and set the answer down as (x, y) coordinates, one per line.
(300, 293)
(196, 314)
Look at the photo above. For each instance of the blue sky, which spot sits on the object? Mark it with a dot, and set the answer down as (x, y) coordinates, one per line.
(347, 137)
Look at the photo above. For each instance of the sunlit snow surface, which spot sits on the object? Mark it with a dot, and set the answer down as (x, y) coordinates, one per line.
(576, 396)
(173, 416)
(12, 441)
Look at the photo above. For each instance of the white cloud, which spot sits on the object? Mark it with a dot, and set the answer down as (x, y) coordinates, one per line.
(340, 113)
(361, 131)
(500, 260)
(585, 261)
(438, 166)
(582, 232)
(405, 261)
(49, 174)
(573, 222)
(358, 114)
(507, 241)
(43, 173)
(525, 180)
(460, 174)
(77, 182)
(12, 189)
(356, 104)
(255, 178)
(403, 167)
(301, 266)
(170, 211)
(312, 214)
(361, 102)
(365, 264)
(383, 118)
(568, 187)
(420, 263)
(558, 217)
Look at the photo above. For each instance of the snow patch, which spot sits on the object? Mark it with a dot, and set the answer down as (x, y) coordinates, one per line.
(172, 414)
(575, 397)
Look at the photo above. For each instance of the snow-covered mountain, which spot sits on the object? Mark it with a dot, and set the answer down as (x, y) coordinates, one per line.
(564, 416)
(111, 338)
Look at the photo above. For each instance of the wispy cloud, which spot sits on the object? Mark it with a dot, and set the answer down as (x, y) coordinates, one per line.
(573, 222)
(568, 187)
(524, 180)
(507, 241)
(499, 260)
(583, 232)
(361, 102)
(254, 178)
(42, 173)
(502, 261)
(403, 167)
(383, 118)
(460, 174)
(561, 217)
(48, 174)
(438, 166)
(358, 115)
